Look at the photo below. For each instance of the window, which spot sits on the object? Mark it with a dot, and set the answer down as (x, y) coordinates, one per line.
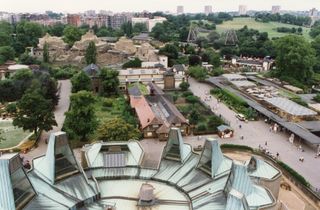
(149, 134)
(22, 189)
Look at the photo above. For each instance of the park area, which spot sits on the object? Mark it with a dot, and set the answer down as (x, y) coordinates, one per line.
(270, 27)
(11, 136)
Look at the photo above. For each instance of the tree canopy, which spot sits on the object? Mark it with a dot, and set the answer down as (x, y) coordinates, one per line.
(117, 129)
(295, 57)
(80, 81)
(110, 81)
(71, 34)
(91, 53)
(81, 120)
(34, 112)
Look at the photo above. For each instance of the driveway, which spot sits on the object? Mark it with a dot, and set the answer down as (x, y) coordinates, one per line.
(59, 112)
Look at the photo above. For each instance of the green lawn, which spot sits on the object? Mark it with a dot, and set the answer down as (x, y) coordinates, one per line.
(270, 27)
(12, 135)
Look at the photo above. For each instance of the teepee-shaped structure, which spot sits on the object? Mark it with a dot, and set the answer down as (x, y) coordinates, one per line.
(212, 160)
(236, 200)
(16, 189)
(175, 148)
(59, 161)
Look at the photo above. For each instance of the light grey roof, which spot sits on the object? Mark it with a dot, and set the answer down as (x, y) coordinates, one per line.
(290, 107)
(212, 160)
(236, 200)
(52, 166)
(261, 169)
(175, 149)
(92, 70)
(13, 194)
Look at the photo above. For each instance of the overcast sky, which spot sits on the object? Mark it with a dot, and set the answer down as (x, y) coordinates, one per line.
(150, 5)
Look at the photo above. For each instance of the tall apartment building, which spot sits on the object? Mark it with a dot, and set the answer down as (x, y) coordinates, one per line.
(116, 21)
(275, 9)
(207, 9)
(180, 10)
(313, 12)
(90, 13)
(242, 9)
(74, 19)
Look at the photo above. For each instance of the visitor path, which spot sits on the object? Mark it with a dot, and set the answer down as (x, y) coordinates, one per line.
(59, 111)
(257, 133)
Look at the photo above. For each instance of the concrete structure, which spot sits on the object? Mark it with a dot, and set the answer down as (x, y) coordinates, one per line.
(146, 75)
(117, 20)
(275, 9)
(242, 10)
(256, 65)
(180, 10)
(150, 23)
(238, 80)
(208, 9)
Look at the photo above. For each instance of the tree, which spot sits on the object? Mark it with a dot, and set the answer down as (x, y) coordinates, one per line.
(71, 34)
(184, 86)
(110, 81)
(171, 51)
(295, 57)
(34, 112)
(81, 81)
(139, 27)
(91, 53)
(198, 73)
(46, 56)
(127, 28)
(6, 53)
(194, 116)
(49, 88)
(81, 120)
(136, 63)
(56, 29)
(117, 129)
(194, 60)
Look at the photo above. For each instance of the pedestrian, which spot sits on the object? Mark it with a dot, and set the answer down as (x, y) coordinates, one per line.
(270, 129)
(242, 137)
(266, 143)
(240, 126)
(277, 155)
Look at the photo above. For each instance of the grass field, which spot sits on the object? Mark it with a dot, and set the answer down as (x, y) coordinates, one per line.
(270, 27)
(12, 135)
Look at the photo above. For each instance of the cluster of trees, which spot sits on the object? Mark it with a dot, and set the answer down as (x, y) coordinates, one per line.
(285, 18)
(290, 30)
(295, 59)
(36, 94)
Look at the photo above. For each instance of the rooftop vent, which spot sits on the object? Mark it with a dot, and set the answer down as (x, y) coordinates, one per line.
(146, 196)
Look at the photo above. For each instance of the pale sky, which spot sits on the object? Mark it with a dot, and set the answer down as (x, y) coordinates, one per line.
(150, 5)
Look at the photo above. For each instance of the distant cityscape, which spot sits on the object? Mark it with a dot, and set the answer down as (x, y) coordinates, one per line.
(115, 20)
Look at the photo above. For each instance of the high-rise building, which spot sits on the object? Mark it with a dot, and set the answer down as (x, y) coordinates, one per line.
(208, 9)
(313, 12)
(117, 20)
(275, 9)
(180, 10)
(90, 13)
(74, 20)
(242, 9)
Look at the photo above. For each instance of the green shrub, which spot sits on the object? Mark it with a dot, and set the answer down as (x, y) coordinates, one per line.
(108, 102)
(317, 98)
(217, 72)
(213, 122)
(299, 101)
(11, 108)
(184, 86)
(187, 93)
(192, 99)
(201, 127)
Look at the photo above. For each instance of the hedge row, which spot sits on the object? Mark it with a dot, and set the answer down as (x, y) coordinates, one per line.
(236, 146)
(293, 173)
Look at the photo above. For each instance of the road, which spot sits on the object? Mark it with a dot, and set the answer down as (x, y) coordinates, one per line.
(59, 111)
(257, 133)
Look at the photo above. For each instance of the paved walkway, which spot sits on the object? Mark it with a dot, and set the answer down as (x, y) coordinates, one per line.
(257, 133)
(59, 111)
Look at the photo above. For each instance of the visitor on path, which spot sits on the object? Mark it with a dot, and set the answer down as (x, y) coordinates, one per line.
(240, 126)
(266, 143)
(241, 137)
(301, 159)
(277, 155)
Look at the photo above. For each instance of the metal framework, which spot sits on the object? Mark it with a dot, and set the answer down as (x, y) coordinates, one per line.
(231, 38)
